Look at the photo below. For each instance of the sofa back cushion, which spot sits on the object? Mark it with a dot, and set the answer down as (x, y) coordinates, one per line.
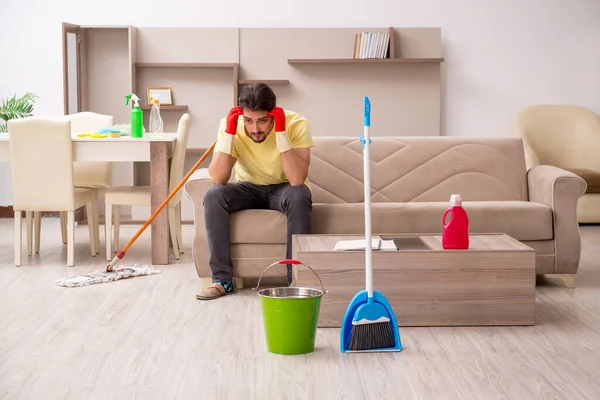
(405, 169)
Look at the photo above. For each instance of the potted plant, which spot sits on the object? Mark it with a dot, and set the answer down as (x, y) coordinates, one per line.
(14, 108)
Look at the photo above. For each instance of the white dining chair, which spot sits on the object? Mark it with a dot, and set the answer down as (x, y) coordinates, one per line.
(88, 174)
(114, 197)
(41, 154)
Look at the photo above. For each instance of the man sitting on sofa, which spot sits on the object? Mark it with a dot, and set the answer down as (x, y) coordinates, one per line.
(270, 149)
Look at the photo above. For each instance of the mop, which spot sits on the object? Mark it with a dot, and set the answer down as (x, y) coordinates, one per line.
(111, 273)
(369, 323)
(104, 277)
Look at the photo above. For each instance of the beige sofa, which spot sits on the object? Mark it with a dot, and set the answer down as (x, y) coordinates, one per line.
(412, 180)
(568, 137)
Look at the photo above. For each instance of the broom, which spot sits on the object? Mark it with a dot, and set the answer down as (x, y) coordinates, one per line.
(111, 274)
(369, 323)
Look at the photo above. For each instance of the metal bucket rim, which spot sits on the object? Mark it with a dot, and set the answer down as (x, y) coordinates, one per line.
(319, 292)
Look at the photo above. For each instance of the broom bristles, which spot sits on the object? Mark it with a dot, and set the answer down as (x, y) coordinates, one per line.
(371, 336)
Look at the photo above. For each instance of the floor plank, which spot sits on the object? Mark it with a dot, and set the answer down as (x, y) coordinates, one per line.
(149, 338)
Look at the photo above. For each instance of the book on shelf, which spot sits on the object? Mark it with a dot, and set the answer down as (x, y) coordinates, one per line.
(372, 45)
(359, 244)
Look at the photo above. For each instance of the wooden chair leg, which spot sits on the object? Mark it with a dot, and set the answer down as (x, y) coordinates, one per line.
(173, 232)
(107, 230)
(96, 224)
(179, 239)
(37, 223)
(18, 238)
(63, 225)
(90, 217)
(70, 237)
(116, 226)
(29, 228)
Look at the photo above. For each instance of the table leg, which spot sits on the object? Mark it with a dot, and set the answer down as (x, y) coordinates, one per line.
(159, 181)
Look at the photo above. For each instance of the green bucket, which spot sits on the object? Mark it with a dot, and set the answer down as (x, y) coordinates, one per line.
(290, 315)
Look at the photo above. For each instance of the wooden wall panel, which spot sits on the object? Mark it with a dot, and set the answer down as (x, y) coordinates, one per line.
(107, 81)
(188, 45)
(108, 71)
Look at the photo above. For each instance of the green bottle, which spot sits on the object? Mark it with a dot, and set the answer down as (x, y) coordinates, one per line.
(137, 117)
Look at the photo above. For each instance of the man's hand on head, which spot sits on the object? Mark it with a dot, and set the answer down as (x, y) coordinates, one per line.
(232, 120)
(225, 143)
(279, 117)
(283, 142)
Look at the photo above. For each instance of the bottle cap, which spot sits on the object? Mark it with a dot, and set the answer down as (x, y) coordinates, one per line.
(455, 200)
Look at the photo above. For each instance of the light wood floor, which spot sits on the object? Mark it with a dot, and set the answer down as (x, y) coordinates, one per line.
(149, 338)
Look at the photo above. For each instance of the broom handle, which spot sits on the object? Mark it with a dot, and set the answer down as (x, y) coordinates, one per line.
(367, 200)
(169, 197)
(368, 235)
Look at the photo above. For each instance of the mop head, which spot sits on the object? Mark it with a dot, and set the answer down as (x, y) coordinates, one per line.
(105, 277)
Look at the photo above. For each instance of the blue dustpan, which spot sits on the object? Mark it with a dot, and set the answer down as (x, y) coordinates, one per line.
(369, 312)
(382, 308)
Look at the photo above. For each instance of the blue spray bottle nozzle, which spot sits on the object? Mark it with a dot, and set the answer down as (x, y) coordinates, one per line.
(367, 110)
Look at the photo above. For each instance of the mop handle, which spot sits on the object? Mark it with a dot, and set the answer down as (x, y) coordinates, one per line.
(366, 141)
(121, 253)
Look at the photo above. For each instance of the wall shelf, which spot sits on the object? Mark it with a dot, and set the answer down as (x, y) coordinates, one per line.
(166, 108)
(185, 65)
(362, 60)
(267, 81)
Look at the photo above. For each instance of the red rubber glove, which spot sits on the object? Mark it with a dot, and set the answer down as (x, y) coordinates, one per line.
(232, 120)
(225, 143)
(283, 142)
(279, 117)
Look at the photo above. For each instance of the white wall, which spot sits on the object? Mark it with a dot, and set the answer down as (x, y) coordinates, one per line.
(500, 54)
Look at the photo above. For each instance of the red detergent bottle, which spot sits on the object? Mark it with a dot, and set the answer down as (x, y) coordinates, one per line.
(455, 235)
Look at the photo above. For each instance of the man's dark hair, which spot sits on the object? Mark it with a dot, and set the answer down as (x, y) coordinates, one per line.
(257, 97)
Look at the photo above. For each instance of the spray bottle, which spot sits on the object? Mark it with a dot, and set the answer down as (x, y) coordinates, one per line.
(156, 122)
(137, 117)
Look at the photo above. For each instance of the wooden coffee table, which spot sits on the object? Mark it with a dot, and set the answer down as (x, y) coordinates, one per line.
(491, 283)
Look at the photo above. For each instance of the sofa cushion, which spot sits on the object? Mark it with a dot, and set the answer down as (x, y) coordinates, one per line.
(519, 219)
(417, 169)
(258, 226)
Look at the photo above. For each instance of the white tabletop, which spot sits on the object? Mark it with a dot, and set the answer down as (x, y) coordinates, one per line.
(166, 137)
(121, 149)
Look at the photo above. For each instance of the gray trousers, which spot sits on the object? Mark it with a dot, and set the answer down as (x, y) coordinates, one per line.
(221, 200)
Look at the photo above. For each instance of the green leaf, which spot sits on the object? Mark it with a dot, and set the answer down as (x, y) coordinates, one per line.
(14, 107)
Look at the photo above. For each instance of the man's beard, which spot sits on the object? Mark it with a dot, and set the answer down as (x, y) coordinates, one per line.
(258, 137)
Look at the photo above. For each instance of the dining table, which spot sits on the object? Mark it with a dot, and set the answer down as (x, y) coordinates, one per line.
(157, 150)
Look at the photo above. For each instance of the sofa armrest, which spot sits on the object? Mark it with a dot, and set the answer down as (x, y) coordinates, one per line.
(195, 188)
(560, 190)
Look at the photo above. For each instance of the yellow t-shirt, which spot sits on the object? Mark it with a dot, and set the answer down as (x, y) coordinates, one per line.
(260, 163)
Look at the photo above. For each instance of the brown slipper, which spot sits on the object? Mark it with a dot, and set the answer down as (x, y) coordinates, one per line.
(212, 292)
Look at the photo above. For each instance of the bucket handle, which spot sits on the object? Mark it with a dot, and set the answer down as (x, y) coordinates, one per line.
(285, 262)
